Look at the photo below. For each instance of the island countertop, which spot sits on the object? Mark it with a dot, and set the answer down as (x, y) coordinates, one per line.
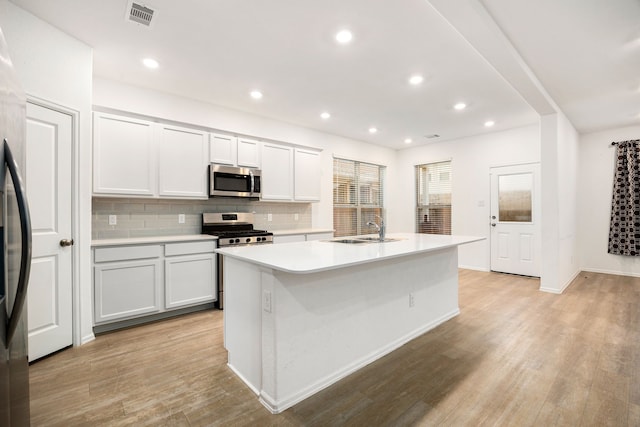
(322, 255)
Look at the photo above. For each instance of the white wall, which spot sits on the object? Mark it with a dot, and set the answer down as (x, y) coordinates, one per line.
(472, 157)
(118, 96)
(559, 151)
(595, 172)
(56, 68)
(569, 259)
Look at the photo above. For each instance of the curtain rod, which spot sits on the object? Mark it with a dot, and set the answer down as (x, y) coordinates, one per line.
(634, 141)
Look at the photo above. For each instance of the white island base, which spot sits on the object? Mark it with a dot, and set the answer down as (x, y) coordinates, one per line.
(291, 334)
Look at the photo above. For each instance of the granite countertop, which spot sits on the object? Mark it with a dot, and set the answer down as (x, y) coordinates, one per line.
(151, 240)
(322, 255)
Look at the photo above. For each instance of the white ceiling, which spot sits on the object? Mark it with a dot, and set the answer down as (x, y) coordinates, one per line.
(586, 54)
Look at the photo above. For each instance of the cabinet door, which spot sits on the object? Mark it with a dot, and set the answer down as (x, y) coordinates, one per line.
(183, 161)
(124, 156)
(277, 172)
(248, 153)
(126, 289)
(307, 175)
(223, 149)
(189, 279)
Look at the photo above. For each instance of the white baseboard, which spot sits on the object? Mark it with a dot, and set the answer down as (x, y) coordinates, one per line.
(276, 406)
(244, 380)
(562, 289)
(612, 272)
(87, 339)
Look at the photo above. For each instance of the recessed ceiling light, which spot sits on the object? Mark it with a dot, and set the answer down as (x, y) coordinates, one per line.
(325, 115)
(150, 63)
(489, 123)
(373, 130)
(416, 79)
(460, 106)
(408, 141)
(256, 94)
(344, 36)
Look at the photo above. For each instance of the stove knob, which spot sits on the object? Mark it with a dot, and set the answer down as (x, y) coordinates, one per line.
(237, 240)
(260, 239)
(248, 239)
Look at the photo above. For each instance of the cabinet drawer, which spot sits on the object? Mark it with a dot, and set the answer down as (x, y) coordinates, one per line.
(187, 248)
(124, 253)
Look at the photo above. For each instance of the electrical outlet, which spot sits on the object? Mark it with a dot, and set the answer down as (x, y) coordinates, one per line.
(113, 220)
(296, 217)
(412, 300)
(181, 219)
(266, 301)
(269, 217)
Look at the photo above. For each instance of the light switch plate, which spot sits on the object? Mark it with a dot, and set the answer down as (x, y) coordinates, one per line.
(269, 217)
(181, 219)
(113, 219)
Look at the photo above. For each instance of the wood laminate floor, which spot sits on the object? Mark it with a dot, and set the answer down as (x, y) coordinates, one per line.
(515, 356)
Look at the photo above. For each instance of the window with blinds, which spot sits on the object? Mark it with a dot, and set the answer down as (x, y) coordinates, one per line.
(357, 196)
(433, 207)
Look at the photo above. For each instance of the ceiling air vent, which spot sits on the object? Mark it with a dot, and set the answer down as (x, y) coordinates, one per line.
(140, 14)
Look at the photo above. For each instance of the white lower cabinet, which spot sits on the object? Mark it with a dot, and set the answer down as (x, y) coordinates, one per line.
(130, 281)
(189, 279)
(127, 282)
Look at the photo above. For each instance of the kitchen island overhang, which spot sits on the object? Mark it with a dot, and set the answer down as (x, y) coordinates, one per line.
(300, 316)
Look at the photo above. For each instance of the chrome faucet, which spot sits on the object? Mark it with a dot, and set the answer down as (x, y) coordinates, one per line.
(381, 228)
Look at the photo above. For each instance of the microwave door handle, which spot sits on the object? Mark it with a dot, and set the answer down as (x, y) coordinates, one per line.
(252, 181)
(25, 232)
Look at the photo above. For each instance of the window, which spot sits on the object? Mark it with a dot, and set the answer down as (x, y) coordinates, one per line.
(433, 198)
(357, 196)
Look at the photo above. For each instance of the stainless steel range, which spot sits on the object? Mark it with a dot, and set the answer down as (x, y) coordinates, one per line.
(232, 229)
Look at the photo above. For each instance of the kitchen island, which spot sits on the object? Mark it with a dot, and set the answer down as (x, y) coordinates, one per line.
(301, 316)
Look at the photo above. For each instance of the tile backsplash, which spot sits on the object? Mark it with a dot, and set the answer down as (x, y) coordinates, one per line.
(154, 217)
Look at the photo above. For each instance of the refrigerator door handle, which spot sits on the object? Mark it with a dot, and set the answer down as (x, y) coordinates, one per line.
(25, 232)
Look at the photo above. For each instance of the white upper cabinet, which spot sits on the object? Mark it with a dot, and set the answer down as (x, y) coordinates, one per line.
(124, 156)
(234, 151)
(277, 172)
(248, 153)
(290, 174)
(307, 170)
(223, 149)
(182, 155)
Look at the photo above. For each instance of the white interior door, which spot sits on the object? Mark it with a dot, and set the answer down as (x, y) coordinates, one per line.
(49, 186)
(515, 219)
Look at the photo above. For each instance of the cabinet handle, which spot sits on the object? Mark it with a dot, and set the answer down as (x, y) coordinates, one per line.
(66, 242)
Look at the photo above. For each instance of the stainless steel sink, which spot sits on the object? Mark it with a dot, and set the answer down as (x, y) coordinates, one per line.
(361, 240)
(376, 239)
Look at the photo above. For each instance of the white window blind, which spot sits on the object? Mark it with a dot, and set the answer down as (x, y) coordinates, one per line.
(433, 207)
(357, 196)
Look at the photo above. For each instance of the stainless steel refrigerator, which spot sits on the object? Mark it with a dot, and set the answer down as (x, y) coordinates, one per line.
(15, 246)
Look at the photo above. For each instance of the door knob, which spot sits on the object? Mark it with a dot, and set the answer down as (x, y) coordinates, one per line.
(66, 242)
(493, 224)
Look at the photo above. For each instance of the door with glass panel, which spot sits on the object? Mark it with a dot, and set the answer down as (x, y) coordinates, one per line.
(515, 219)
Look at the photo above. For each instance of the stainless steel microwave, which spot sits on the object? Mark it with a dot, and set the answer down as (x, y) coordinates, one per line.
(229, 181)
